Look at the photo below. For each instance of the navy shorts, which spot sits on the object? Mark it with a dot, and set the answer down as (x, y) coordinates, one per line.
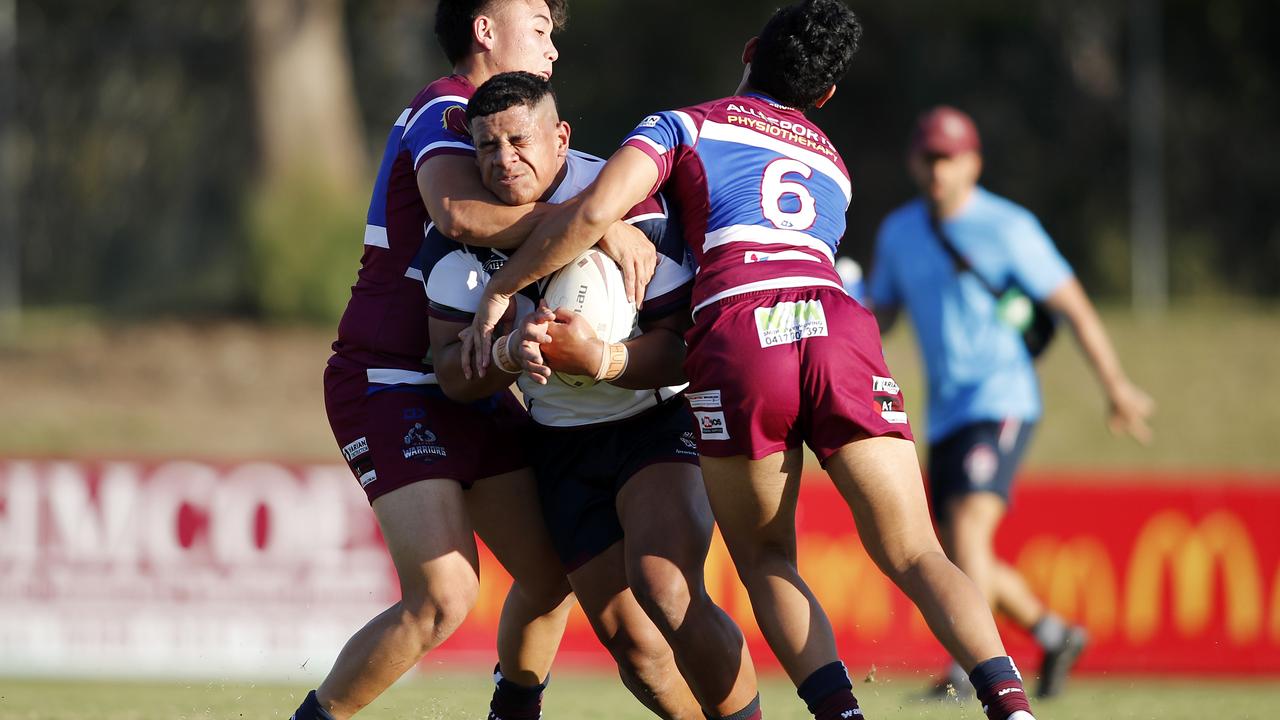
(980, 457)
(395, 435)
(581, 469)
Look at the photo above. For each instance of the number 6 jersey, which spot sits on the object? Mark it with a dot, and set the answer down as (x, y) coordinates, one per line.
(761, 193)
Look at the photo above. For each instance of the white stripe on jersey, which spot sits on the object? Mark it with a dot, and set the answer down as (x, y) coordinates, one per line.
(689, 125)
(747, 136)
(404, 118)
(765, 236)
(414, 273)
(651, 143)
(437, 145)
(781, 283)
(376, 236)
(391, 376)
(436, 101)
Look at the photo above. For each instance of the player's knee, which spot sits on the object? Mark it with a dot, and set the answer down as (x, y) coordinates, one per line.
(545, 593)
(663, 590)
(762, 557)
(440, 609)
(642, 654)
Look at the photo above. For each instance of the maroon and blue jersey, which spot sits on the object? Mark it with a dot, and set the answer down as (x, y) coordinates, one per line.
(760, 190)
(384, 328)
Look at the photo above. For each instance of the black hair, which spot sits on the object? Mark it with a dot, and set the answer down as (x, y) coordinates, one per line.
(454, 18)
(805, 48)
(507, 90)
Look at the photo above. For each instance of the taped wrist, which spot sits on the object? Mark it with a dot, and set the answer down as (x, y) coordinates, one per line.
(502, 355)
(613, 361)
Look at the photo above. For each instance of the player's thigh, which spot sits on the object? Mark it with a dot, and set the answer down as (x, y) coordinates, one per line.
(429, 535)
(666, 518)
(880, 479)
(506, 514)
(754, 503)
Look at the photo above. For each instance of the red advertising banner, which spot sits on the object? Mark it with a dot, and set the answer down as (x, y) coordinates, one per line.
(264, 570)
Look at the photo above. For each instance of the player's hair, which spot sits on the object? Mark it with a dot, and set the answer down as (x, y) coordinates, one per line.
(508, 90)
(805, 48)
(454, 18)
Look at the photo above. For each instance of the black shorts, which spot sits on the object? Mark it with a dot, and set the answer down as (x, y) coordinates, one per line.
(981, 457)
(581, 469)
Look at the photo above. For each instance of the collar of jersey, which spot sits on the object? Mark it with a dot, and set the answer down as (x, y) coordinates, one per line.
(771, 101)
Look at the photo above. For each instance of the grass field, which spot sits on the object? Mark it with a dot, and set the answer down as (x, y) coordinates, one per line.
(450, 696)
(72, 387)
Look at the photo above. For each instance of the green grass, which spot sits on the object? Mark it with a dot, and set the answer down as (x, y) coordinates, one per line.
(578, 696)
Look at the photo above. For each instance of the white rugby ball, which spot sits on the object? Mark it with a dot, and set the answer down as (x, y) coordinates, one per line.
(592, 286)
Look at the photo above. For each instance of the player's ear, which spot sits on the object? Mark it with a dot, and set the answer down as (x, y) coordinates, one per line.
(563, 132)
(482, 32)
(749, 51)
(826, 96)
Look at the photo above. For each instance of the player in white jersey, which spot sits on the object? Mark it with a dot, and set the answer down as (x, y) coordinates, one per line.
(616, 462)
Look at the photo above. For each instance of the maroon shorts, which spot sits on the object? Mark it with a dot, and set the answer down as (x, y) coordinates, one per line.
(773, 369)
(395, 435)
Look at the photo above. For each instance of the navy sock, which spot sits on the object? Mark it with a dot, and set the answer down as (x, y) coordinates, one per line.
(750, 712)
(512, 701)
(828, 693)
(310, 709)
(998, 686)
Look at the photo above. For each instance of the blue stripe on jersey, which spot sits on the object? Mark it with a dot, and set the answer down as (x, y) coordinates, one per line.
(378, 203)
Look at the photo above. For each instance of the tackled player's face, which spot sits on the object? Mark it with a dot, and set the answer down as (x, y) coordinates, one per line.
(520, 151)
(520, 37)
(945, 180)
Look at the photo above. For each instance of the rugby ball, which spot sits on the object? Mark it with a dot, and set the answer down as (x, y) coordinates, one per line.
(592, 286)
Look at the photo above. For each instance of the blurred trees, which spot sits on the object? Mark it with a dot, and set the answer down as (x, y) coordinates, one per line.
(151, 137)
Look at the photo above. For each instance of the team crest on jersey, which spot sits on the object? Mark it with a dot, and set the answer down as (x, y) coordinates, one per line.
(420, 443)
(454, 119)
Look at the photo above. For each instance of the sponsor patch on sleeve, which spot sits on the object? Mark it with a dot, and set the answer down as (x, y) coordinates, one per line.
(651, 121)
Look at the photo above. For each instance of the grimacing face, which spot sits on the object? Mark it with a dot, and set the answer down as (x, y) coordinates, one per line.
(945, 180)
(521, 37)
(520, 151)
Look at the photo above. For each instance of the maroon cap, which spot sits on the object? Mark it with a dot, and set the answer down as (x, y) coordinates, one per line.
(945, 130)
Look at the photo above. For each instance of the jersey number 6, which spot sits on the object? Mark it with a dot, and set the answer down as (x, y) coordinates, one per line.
(773, 188)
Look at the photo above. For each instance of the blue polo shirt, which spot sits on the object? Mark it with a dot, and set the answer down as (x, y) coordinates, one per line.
(977, 367)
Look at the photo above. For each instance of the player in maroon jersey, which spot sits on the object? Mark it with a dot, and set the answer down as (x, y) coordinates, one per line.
(436, 470)
(779, 356)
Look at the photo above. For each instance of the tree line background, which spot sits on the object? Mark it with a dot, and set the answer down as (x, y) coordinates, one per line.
(198, 159)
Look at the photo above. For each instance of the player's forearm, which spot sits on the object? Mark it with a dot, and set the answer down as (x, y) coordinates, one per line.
(561, 235)
(1071, 302)
(463, 209)
(448, 367)
(488, 224)
(655, 359)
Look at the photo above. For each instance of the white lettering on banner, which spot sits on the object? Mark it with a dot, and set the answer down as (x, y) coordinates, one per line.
(790, 322)
(183, 569)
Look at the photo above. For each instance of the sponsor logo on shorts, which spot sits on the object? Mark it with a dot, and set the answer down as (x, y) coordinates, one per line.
(651, 121)
(790, 322)
(368, 477)
(704, 399)
(420, 443)
(981, 465)
(884, 385)
(890, 409)
(690, 445)
(356, 449)
(712, 425)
